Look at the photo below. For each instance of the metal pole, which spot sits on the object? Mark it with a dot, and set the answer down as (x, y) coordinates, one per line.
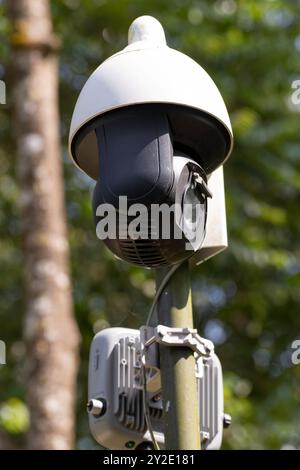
(181, 415)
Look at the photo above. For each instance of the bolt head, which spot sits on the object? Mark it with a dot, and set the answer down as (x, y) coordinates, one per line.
(96, 407)
(227, 420)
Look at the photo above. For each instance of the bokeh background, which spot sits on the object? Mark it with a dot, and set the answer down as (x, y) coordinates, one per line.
(246, 299)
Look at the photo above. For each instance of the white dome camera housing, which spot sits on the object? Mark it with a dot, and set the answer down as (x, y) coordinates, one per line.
(143, 112)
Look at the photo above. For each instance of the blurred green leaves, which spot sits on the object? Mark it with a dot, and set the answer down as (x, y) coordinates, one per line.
(14, 416)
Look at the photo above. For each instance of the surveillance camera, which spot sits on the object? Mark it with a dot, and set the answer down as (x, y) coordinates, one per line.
(150, 126)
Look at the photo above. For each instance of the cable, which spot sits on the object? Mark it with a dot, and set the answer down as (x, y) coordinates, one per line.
(146, 410)
(151, 311)
(160, 290)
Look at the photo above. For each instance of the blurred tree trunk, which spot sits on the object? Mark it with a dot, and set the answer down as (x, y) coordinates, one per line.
(6, 442)
(50, 330)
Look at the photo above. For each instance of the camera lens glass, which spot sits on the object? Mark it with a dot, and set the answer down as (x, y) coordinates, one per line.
(192, 206)
(194, 214)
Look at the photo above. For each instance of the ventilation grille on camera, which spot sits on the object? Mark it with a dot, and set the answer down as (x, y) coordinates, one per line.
(143, 252)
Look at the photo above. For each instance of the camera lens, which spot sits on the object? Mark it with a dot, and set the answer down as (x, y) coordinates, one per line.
(194, 214)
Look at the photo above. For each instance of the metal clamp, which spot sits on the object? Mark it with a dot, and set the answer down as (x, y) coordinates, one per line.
(182, 337)
(185, 337)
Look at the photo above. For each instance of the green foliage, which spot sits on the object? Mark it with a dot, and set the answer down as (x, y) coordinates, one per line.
(246, 299)
(14, 416)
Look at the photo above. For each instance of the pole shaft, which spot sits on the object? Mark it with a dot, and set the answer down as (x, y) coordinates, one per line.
(181, 415)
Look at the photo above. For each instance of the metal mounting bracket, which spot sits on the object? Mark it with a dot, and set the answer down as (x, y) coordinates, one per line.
(188, 337)
(180, 337)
